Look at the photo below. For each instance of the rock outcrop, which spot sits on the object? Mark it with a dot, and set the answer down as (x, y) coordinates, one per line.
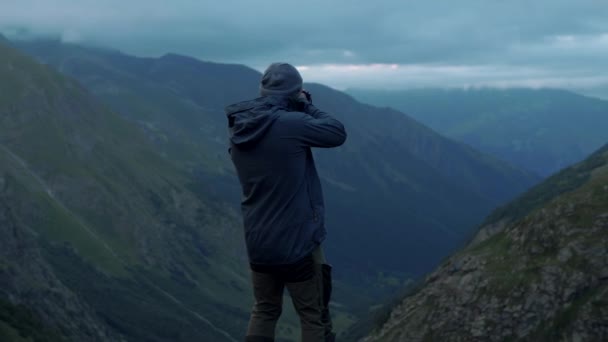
(542, 277)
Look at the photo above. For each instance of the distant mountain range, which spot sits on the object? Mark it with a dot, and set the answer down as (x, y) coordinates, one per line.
(123, 206)
(541, 130)
(537, 271)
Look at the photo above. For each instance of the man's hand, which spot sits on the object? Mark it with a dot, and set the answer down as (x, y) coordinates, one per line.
(305, 96)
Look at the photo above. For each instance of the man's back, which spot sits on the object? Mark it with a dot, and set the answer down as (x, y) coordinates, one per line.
(282, 202)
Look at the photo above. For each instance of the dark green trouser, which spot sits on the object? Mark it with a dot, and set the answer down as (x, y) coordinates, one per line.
(310, 298)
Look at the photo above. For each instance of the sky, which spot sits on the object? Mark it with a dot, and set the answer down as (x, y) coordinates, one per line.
(382, 44)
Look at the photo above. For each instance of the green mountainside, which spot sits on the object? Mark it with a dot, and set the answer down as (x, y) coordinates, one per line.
(541, 130)
(28, 281)
(104, 238)
(18, 324)
(537, 271)
(393, 178)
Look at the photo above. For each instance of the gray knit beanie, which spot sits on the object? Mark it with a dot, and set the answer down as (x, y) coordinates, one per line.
(281, 79)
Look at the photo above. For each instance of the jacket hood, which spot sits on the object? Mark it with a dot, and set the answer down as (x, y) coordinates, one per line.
(249, 121)
(281, 79)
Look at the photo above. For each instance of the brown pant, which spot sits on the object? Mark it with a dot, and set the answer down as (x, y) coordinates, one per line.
(310, 299)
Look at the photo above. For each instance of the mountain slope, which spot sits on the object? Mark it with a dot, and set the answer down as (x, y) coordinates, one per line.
(539, 130)
(393, 178)
(27, 280)
(543, 276)
(105, 240)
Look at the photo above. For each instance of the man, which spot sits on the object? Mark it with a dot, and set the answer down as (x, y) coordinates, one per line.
(282, 204)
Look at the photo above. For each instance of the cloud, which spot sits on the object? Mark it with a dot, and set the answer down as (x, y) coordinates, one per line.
(550, 41)
(395, 76)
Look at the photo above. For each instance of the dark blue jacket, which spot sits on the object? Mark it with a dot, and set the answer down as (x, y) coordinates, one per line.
(282, 201)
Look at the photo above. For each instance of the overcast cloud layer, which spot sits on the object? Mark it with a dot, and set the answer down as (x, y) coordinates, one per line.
(346, 43)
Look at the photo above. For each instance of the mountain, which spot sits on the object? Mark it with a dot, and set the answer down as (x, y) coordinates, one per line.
(394, 178)
(537, 271)
(541, 130)
(103, 239)
(124, 204)
(600, 92)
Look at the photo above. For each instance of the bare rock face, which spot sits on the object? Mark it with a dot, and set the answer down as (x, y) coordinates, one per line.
(541, 278)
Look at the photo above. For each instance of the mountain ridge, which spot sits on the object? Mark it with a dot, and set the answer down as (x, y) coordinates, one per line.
(541, 130)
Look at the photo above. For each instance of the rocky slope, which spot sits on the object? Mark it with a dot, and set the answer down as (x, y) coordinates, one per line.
(538, 271)
(540, 130)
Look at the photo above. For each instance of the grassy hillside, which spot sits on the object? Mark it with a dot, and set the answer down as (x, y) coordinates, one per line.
(115, 224)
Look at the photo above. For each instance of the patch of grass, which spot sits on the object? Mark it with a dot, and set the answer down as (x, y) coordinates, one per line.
(18, 324)
(342, 321)
(600, 302)
(567, 180)
(553, 329)
(63, 226)
(137, 309)
(53, 222)
(497, 244)
(9, 334)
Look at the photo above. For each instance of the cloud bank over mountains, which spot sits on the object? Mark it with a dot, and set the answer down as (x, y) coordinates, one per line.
(389, 44)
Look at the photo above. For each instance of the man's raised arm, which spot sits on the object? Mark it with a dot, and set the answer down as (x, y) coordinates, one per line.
(315, 128)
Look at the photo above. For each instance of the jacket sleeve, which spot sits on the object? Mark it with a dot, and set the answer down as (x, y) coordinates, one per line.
(315, 128)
